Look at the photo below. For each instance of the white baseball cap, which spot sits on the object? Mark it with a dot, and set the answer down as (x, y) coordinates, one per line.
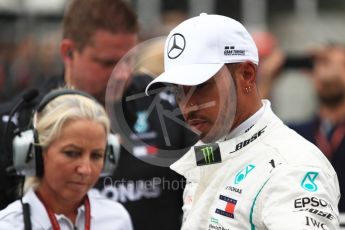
(197, 49)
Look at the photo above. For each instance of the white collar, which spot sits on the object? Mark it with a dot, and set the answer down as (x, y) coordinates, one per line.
(37, 209)
(247, 124)
(187, 163)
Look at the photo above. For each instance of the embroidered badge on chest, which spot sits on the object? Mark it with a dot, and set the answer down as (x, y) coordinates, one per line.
(207, 154)
(226, 206)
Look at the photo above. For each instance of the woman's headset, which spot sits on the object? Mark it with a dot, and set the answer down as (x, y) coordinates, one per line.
(27, 152)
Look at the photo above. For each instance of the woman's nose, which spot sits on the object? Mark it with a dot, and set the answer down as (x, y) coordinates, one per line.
(84, 167)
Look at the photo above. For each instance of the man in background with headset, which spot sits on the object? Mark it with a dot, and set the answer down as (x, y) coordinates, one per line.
(96, 35)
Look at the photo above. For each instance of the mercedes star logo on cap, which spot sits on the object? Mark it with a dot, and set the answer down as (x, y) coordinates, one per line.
(176, 45)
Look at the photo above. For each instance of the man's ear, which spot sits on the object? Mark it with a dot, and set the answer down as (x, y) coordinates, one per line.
(249, 72)
(246, 80)
(67, 48)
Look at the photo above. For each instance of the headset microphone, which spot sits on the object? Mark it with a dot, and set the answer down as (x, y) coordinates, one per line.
(30, 95)
(26, 98)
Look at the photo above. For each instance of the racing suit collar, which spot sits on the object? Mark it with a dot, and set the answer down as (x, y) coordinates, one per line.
(247, 124)
(186, 165)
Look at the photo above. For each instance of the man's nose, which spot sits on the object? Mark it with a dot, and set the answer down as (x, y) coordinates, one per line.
(189, 98)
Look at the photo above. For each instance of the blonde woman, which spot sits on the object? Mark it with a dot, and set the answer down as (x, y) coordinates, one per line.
(72, 131)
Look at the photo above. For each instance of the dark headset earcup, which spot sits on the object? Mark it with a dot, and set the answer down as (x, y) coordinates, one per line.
(112, 155)
(39, 161)
(38, 156)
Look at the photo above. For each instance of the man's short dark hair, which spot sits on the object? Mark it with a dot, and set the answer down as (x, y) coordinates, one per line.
(84, 17)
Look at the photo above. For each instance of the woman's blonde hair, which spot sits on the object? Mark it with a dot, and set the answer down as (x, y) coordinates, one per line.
(64, 108)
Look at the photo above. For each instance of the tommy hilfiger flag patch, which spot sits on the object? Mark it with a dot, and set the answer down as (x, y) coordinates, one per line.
(226, 206)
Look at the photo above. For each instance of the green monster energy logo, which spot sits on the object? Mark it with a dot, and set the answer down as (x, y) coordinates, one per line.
(208, 154)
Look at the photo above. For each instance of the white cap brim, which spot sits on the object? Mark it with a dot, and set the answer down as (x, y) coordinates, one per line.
(189, 75)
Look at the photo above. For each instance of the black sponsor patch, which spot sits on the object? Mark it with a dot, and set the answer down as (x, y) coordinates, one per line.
(250, 140)
(207, 154)
(317, 212)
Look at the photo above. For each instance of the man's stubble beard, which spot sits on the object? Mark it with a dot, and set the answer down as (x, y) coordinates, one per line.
(223, 124)
(227, 111)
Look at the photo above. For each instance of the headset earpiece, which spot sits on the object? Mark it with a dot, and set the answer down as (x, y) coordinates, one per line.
(28, 154)
(38, 154)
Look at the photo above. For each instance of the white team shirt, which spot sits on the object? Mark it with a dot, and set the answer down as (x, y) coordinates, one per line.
(268, 177)
(105, 215)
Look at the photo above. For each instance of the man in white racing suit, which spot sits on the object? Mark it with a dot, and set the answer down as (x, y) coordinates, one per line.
(249, 170)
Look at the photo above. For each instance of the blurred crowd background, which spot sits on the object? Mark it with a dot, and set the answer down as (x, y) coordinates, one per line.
(30, 35)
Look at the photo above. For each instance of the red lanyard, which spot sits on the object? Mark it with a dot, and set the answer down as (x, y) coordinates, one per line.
(328, 147)
(55, 223)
